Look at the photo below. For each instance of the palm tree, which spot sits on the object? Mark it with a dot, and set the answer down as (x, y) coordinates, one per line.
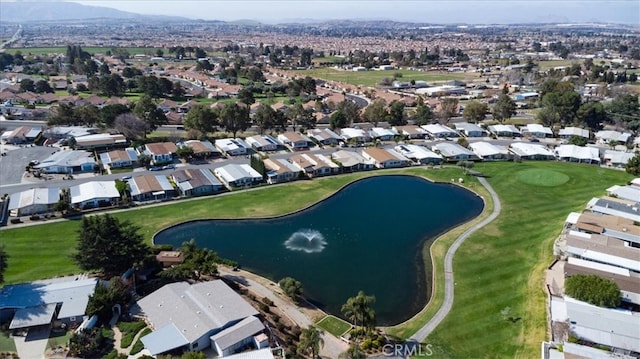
(358, 309)
(354, 352)
(311, 341)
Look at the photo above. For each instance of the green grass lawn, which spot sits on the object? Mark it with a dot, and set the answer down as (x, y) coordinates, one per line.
(138, 346)
(333, 325)
(373, 78)
(6, 343)
(498, 269)
(129, 331)
(92, 50)
(546, 65)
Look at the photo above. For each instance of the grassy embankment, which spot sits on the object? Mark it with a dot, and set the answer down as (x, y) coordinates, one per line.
(499, 308)
(373, 78)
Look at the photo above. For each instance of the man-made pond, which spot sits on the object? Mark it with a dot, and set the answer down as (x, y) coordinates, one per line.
(368, 236)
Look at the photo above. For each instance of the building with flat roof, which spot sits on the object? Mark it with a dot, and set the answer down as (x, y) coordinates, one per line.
(21, 135)
(357, 135)
(150, 188)
(530, 151)
(325, 136)
(33, 201)
(67, 162)
(264, 143)
(452, 152)
(617, 159)
(119, 158)
(352, 161)
(569, 132)
(189, 317)
(94, 194)
(437, 130)
(314, 165)
(504, 130)
(161, 152)
(382, 134)
(201, 149)
(490, 152)
(280, 170)
(196, 182)
(238, 175)
(419, 154)
(411, 131)
(385, 158)
(100, 140)
(580, 154)
(536, 130)
(295, 141)
(470, 129)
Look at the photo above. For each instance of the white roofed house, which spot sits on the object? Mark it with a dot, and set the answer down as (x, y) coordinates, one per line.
(382, 134)
(351, 161)
(238, 175)
(94, 194)
(531, 151)
(411, 131)
(280, 170)
(504, 130)
(419, 154)
(470, 129)
(440, 131)
(608, 136)
(232, 146)
(356, 135)
(21, 135)
(33, 201)
(196, 317)
(295, 141)
(263, 143)
(325, 136)
(384, 158)
(573, 153)
(314, 165)
(196, 182)
(569, 132)
(119, 158)
(100, 140)
(68, 162)
(452, 152)
(536, 130)
(631, 193)
(489, 151)
(162, 152)
(617, 159)
(150, 188)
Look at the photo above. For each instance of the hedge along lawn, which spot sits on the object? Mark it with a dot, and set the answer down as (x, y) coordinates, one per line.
(373, 78)
(44, 251)
(499, 271)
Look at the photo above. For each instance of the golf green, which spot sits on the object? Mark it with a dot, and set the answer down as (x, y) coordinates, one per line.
(542, 177)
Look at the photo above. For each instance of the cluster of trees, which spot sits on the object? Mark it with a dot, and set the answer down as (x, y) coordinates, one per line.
(182, 52)
(378, 111)
(359, 310)
(198, 262)
(40, 86)
(291, 287)
(593, 289)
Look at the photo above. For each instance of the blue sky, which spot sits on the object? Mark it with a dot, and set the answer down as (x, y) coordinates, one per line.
(432, 11)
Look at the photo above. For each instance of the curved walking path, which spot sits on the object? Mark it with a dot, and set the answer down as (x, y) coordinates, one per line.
(449, 284)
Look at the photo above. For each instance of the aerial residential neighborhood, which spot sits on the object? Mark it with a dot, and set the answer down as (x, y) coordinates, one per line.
(455, 181)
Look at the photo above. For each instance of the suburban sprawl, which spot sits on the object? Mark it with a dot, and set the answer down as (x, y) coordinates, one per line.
(113, 130)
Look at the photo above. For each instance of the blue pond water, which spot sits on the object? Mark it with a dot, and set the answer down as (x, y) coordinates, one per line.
(368, 236)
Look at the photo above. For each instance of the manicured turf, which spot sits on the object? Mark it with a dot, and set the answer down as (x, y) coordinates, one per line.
(373, 78)
(546, 65)
(6, 343)
(333, 325)
(541, 177)
(499, 267)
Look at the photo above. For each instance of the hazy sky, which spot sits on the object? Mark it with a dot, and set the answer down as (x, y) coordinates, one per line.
(432, 11)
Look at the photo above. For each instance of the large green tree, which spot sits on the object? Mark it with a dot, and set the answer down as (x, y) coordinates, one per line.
(311, 341)
(376, 112)
(264, 118)
(235, 118)
(423, 114)
(103, 299)
(359, 310)
(3, 262)
(201, 118)
(633, 165)
(593, 289)
(396, 114)
(109, 245)
(563, 101)
(197, 262)
(475, 111)
(350, 110)
(148, 111)
(291, 287)
(504, 108)
(592, 115)
(300, 117)
(625, 110)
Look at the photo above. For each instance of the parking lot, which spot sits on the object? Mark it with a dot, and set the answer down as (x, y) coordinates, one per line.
(12, 165)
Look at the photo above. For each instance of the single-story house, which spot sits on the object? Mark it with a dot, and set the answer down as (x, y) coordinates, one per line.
(419, 154)
(314, 165)
(382, 134)
(444, 90)
(21, 135)
(355, 135)
(295, 141)
(238, 175)
(280, 170)
(94, 194)
(569, 132)
(189, 317)
(531, 151)
(536, 130)
(573, 153)
(453, 152)
(437, 130)
(325, 136)
(489, 151)
(352, 161)
(67, 162)
(201, 149)
(239, 336)
(119, 158)
(525, 96)
(33, 201)
(263, 143)
(161, 152)
(616, 207)
(631, 193)
(169, 258)
(504, 130)
(470, 129)
(100, 140)
(264, 353)
(150, 188)
(618, 159)
(385, 158)
(41, 302)
(411, 131)
(607, 136)
(196, 182)
(231, 146)
(60, 132)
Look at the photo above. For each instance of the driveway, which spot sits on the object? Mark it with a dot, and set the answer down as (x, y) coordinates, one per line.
(12, 165)
(34, 344)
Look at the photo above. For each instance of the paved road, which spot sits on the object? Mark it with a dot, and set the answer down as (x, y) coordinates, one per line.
(449, 283)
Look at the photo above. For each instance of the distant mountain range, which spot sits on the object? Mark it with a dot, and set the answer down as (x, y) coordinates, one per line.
(29, 11)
